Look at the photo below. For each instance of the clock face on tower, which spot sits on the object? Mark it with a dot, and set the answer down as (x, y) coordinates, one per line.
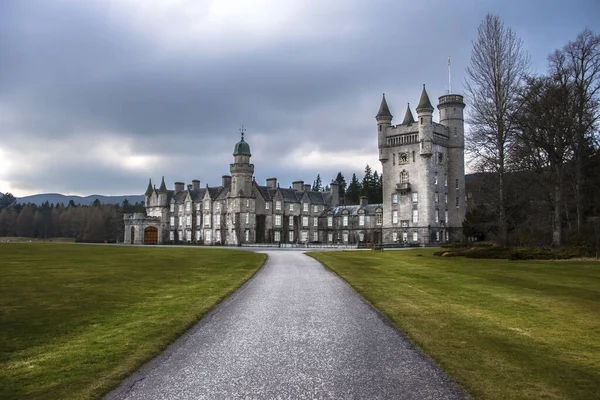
(403, 158)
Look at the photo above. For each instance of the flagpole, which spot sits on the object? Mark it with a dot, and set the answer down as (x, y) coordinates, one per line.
(449, 77)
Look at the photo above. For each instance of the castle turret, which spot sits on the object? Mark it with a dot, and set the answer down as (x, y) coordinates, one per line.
(162, 193)
(241, 169)
(384, 121)
(425, 117)
(451, 108)
(408, 117)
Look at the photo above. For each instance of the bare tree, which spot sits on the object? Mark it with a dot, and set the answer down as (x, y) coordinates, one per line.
(494, 77)
(578, 65)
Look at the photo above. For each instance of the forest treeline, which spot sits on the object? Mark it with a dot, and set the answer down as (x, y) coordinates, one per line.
(95, 223)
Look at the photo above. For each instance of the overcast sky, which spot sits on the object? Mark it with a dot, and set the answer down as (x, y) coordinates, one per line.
(98, 96)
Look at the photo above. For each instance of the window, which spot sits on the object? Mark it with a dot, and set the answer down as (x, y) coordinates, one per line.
(291, 236)
(304, 221)
(446, 216)
(305, 207)
(394, 159)
(266, 205)
(415, 216)
(447, 236)
(315, 209)
(172, 221)
(247, 218)
(457, 204)
(330, 221)
(346, 237)
(197, 206)
(436, 197)
(207, 220)
(278, 220)
(304, 236)
(415, 197)
(445, 180)
(172, 207)
(218, 220)
(198, 220)
(437, 236)
(198, 235)
(218, 206)
(379, 218)
(455, 132)
(395, 236)
(413, 156)
(207, 204)
(405, 237)
(361, 220)
(291, 207)
(345, 220)
(437, 215)
(415, 236)
(218, 235)
(278, 236)
(247, 235)
(445, 198)
(171, 235)
(361, 237)
(188, 207)
(188, 220)
(394, 217)
(456, 184)
(329, 237)
(278, 205)
(315, 236)
(291, 221)
(180, 221)
(440, 158)
(315, 221)
(247, 202)
(404, 176)
(395, 198)
(180, 235)
(208, 236)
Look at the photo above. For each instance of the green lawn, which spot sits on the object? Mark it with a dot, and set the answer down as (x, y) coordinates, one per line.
(503, 329)
(76, 319)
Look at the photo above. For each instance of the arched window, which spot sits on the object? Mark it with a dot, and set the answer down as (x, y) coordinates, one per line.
(404, 176)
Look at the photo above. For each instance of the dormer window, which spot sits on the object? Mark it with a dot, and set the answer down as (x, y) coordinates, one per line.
(305, 207)
(278, 205)
(207, 204)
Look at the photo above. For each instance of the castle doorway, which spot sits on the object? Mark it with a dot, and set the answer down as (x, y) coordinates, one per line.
(150, 235)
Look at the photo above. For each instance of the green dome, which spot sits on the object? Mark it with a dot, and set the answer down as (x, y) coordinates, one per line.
(241, 148)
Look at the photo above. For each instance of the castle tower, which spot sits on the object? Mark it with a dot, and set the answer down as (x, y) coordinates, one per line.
(149, 192)
(241, 169)
(425, 119)
(162, 194)
(451, 108)
(384, 121)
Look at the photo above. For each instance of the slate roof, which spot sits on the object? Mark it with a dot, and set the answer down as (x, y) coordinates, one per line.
(384, 110)
(408, 117)
(353, 209)
(424, 103)
(197, 194)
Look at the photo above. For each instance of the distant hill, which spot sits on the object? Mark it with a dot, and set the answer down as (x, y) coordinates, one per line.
(55, 198)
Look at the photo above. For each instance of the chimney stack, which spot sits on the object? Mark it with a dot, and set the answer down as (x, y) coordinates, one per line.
(179, 187)
(272, 182)
(195, 184)
(363, 201)
(307, 188)
(298, 185)
(334, 190)
(226, 179)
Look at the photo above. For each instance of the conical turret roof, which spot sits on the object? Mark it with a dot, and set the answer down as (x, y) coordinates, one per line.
(149, 190)
(424, 103)
(163, 187)
(384, 110)
(408, 117)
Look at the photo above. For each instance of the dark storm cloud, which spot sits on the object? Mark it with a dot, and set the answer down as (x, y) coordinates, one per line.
(86, 74)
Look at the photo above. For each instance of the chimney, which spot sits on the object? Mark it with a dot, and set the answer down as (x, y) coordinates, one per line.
(189, 186)
(334, 189)
(363, 201)
(226, 179)
(179, 187)
(272, 182)
(307, 188)
(298, 185)
(195, 184)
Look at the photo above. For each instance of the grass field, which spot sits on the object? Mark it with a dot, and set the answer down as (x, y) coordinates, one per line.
(76, 319)
(503, 329)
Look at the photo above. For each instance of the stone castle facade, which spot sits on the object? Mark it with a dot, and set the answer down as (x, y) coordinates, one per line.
(423, 195)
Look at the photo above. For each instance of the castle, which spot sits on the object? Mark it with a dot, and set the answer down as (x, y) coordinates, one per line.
(423, 195)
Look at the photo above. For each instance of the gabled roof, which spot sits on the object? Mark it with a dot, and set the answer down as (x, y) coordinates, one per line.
(290, 195)
(370, 209)
(424, 103)
(197, 194)
(317, 197)
(384, 110)
(180, 197)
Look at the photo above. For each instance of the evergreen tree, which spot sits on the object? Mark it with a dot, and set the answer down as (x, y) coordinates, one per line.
(354, 190)
(341, 184)
(317, 184)
(367, 184)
